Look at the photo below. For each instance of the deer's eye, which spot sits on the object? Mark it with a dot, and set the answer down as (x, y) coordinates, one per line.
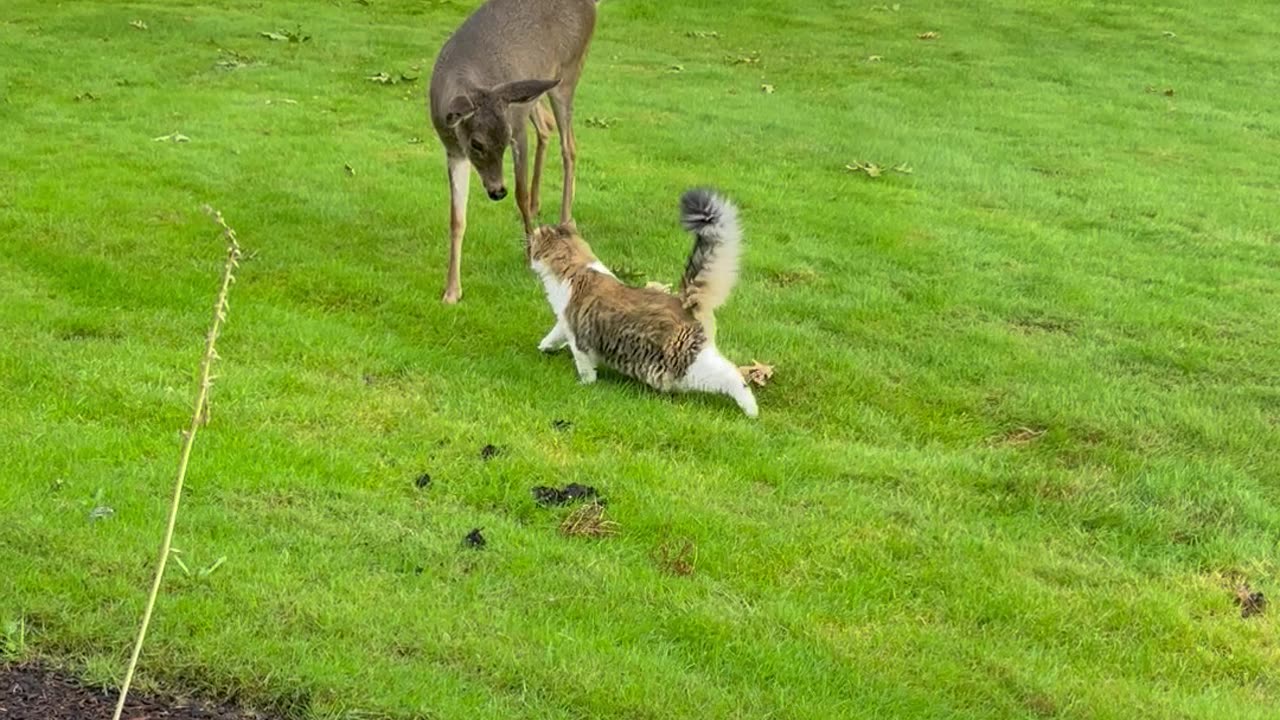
(475, 145)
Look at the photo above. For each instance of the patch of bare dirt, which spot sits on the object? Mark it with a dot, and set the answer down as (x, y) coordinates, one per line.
(31, 692)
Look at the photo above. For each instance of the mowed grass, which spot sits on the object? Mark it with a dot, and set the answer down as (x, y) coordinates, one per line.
(1022, 446)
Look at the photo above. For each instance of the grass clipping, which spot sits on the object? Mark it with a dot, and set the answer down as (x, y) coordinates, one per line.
(589, 521)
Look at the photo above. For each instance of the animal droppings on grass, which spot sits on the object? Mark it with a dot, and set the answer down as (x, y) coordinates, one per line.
(423, 481)
(675, 69)
(676, 558)
(549, 496)
(489, 452)
(931, 35)
(1167, 92)
(561, 425)
(752, 58)
(475, 539)
(1169, 34)
(589, 521)
(1251, 603)
(757, 373)
(86, 97)
(766, 89)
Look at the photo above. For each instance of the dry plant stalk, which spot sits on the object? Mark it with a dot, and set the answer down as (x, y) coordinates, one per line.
(198, 417)
(589, 521)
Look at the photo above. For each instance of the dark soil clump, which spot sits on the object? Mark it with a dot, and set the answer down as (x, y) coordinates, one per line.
(30, 692)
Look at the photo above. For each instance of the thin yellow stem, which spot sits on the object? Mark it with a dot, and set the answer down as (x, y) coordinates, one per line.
(188, 438)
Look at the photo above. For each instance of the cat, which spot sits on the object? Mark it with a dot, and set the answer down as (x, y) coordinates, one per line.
(662, 339)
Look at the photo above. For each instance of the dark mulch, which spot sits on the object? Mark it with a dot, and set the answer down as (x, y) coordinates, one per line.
(30, 692)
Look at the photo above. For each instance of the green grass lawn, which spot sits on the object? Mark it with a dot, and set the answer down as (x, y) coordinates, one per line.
(1022, 445)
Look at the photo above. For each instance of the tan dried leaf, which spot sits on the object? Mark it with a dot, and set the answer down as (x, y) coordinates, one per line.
(756, 373)
(871, 169)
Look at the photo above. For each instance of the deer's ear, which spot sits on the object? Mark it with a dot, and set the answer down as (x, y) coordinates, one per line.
(460, 108)
(523, 91)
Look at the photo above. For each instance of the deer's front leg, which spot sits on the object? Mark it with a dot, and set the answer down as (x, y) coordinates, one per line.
(542, 121)
(520, 163)
(459, 169)
(563, 107)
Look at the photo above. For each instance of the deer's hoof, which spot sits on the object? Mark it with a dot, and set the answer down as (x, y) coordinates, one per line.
(451, 296)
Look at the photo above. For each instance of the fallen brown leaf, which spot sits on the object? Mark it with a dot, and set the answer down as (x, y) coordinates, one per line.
(871, 169)
(757, 373)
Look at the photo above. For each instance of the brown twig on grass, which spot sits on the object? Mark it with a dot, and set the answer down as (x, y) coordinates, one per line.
(198, 417)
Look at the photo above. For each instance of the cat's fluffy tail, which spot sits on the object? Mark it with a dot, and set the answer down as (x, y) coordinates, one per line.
(712, 269)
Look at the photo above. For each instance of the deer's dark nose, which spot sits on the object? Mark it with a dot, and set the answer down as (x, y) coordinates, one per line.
(498, 194)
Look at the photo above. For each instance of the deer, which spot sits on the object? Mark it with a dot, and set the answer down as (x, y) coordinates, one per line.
(487, 85)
